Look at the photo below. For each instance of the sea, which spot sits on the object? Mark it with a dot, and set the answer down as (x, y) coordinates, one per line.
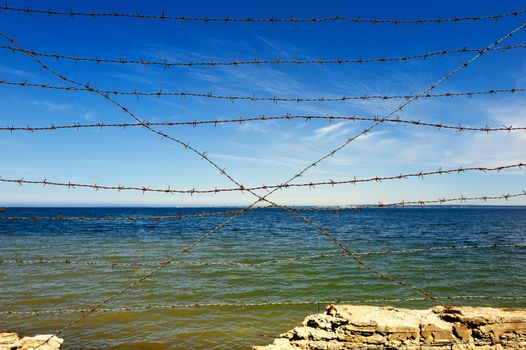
(246, 283)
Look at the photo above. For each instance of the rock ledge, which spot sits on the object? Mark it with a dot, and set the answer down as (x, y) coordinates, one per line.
(13, 341)
(369, 327)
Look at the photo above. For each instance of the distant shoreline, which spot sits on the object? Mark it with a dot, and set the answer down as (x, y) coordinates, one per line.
(461, 206)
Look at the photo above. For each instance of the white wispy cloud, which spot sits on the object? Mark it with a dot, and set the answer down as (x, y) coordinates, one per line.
(328, 132)
(51, 106)
(15, 72)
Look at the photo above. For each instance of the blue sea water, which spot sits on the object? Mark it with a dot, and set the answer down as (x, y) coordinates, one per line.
(261, 235)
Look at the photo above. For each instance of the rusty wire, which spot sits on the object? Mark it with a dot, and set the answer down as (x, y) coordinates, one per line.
(311, 184)
(275, 261)
(292, 19)
(115, 218)
(208, 234)
(243, 304)
(215, 122)
(167, 64)
(419, 203)
(254, 98)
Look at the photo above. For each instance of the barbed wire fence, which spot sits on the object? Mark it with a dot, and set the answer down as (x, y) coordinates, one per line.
(109, 95)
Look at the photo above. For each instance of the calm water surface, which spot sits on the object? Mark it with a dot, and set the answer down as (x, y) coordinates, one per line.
(257, 236)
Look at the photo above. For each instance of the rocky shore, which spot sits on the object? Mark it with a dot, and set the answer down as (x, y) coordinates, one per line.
(368, 327)
(13, 341)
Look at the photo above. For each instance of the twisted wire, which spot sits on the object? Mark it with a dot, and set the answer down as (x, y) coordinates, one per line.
(115, 218)
(275, 261)
(163, 16)
(243, 304)
(215, 122)
(167, 64)
(418, 203)
(275, 99)
(312, 184)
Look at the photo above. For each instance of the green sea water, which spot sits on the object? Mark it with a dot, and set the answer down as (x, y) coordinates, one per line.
(499, 272)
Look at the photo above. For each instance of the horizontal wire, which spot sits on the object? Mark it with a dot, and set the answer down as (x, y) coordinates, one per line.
(313, 184)
(259, 304)
(291, 19)
(420, 203)
(116, 218)
(69, 261)
(404, 203)
(215, 122)
(167, 64)
(254, 98)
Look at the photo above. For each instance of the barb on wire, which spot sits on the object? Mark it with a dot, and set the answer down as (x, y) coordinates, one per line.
(216, 122)
(277, 61)
(116, 218)
(418, 203)
(259, 304)
(292, 19)
(312, 184)
(275, 261)
(274, 99)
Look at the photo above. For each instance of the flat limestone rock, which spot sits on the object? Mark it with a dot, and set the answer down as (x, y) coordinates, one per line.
(371, 327)
(12, 341)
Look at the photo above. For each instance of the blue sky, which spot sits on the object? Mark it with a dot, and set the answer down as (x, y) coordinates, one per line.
(260, 152)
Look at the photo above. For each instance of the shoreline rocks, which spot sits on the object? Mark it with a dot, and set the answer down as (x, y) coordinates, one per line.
(13, 341)
(370, 327)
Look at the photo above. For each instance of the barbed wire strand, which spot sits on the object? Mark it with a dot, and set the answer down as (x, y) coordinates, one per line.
(275, 261)
(254, 98)
(206, 235)
(215, 122)
(261, 304)
(167, 64)
(312, 184)
(116, 218)
(419, 203)
(291, 19)
(343, 247)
